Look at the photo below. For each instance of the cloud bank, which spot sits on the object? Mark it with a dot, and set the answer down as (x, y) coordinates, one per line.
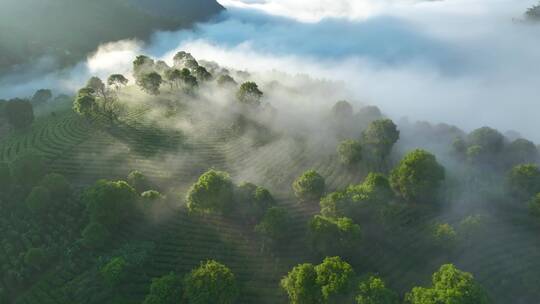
(470, 63)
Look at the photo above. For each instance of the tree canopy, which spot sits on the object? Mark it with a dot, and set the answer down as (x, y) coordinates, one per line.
(249, 94)
(213, 192)
(309, 186)
(211, 283)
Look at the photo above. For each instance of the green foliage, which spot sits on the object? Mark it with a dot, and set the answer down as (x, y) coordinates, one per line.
(335, 278)
(96, 84)
(35, 257)
(375, 189)
(211, 283)
(213, 192)
(445, 236)
(39, 200)
(524, 181)
(202, 74)
(114, 271)
(249, 94)
(138, 181)
(95, 235)
(521, 151)
(27, 170)
(41, 96)
(5, 178)
(165, 290)
(150, 83)
(380, 137)
(85, 103)
(310, 186)
(449, 285)
(142, 65)
(117, 81)
(471, 226)
(342, 110)
(301, 285)
(334, 236)
(19, 113)
(253, 201)
(373, 290)
(226, 80)
(490, 139)
(110, 203)
(58, 186)
(275, 225)
(189, 81)
(349, 152)
(418, 176)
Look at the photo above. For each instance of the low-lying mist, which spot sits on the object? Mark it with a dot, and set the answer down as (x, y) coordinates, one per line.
(468, 63)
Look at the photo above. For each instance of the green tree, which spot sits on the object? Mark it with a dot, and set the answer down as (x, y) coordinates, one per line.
(380, 137)
(350, 152)
(96, 84)
(373, 290)
(521, 151)
(249, 94)
(173, 77)
(6, 181)
(211, 283)
(202, 74)
(138, 181)
(39, 200)
(310, 186)
(275, 226)
(142, 65)
(342, 110)
(35, 257)
(253, 201)
(114, 271)
(226, 80)
(189, 81)
(490, 139)
(95, 235)
(58, 186)
(19, 113)
(110, 203)
(301, 285)
(85, 103)
(117, 81)
(150, 83)
(212, 192)
(41, 96)
(418, 176)
(165, 290)
(27, 170)
(449, 285)
(524, 181)
(334, 236)
(445, 236)
(335, 278)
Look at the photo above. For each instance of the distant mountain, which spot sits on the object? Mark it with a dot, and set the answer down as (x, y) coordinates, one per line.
(67, 30)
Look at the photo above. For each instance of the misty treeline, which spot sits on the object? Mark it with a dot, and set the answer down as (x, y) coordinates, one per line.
(427, 195)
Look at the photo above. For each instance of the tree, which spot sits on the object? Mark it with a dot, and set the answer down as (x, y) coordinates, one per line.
(449, 285)
(335, 278)
(333, 236)
(138, 181)
(58, 186)
(445, 236)
(253, 201)
(114, 271)
(301, 285)
(96, 84)
(110, 203)
(212, 192)
(350, 152)
(6, 181)
(417, 177)
(524, 181)
(202, 74)
(85, 102)
(490, 139)
(521, 151)
(249, 94)
(342, 110)
(27, 170)
(181, 58)
(150, 83)
(41, 96)
(165, 290)
(142, 65)
(309, 186)
(117, 81)
(211, 283)
(380, 137)
(275, 225)
(35, 257)
(189, 81)
(95, 235)
(226, 80)
(39, 200)
(373, 291)
(173, 77)
(19, 113)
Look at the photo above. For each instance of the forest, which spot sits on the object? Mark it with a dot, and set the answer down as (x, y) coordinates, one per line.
(190, 181)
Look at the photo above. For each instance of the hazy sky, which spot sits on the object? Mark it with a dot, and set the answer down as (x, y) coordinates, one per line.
(466, 62)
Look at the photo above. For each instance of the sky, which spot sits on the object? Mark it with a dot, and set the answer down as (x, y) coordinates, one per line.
(466, 62)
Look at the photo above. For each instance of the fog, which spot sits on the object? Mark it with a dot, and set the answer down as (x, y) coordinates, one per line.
(468, 63)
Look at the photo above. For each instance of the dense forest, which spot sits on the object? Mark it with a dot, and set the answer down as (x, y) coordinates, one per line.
(58, 33)
(189, 182)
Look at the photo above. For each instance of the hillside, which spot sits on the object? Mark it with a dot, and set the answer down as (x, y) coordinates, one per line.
(66, 30)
